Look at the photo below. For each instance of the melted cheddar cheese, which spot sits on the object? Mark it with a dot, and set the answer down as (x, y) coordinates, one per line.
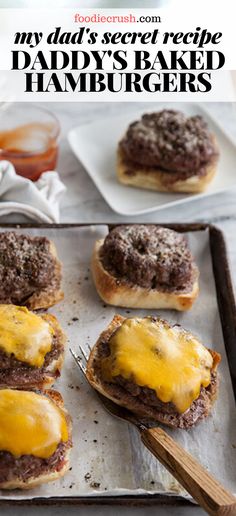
(31, 424)
(167, 359)
(24, 334)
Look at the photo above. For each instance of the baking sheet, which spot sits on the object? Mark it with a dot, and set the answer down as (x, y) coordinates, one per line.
(108, 457)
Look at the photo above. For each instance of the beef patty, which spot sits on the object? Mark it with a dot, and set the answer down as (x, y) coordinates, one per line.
(26, 266)
(170, 141)
(166, 411)
(29, 466)
(16, 373)
(149, 256)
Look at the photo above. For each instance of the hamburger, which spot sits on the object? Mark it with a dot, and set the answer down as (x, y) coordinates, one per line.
(168, 152)
(31, 348)
(157, 370)
(145, 266)
(35, 438)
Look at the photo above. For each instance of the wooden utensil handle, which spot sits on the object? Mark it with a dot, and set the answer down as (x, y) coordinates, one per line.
(204, 488)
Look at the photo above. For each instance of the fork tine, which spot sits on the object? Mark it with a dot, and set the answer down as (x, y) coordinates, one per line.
(89, 347)
(78, 362)
(73, 354)
(83, 353)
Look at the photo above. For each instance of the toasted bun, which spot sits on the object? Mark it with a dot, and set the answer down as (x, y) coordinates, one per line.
(116, 393)
(132, 296)
(31, 482)
(50, 295)
(151, 178)
(48, 376)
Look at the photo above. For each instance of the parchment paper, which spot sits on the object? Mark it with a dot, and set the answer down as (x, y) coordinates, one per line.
(108, 457)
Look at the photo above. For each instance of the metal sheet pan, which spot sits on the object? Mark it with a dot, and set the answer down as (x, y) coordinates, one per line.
(227, 314)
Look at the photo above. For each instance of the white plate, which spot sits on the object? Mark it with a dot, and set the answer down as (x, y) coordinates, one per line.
(95, 146)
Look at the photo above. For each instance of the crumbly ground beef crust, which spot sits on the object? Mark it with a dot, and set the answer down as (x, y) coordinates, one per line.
(26, 267)
(170, 141)
(149, 256)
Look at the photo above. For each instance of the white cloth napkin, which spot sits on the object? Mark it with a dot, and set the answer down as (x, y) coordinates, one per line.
(37, 200)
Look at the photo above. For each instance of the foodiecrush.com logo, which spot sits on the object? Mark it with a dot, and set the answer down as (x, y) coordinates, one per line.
(118, 18)
(114, 52)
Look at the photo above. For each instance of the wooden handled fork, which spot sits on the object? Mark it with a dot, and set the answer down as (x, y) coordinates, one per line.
(202, 486)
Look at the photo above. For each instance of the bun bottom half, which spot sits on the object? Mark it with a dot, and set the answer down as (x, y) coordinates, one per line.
(126, 295)
(122, 397)
(152, 178)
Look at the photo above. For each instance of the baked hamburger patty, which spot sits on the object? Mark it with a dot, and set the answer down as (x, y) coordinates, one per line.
(27, 266)
(166, 411)
(14, 372)
(132, 395)
(149, 256)
(28, 466)
(170, 141)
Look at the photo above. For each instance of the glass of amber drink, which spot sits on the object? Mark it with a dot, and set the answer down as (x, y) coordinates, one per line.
(29, 138)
